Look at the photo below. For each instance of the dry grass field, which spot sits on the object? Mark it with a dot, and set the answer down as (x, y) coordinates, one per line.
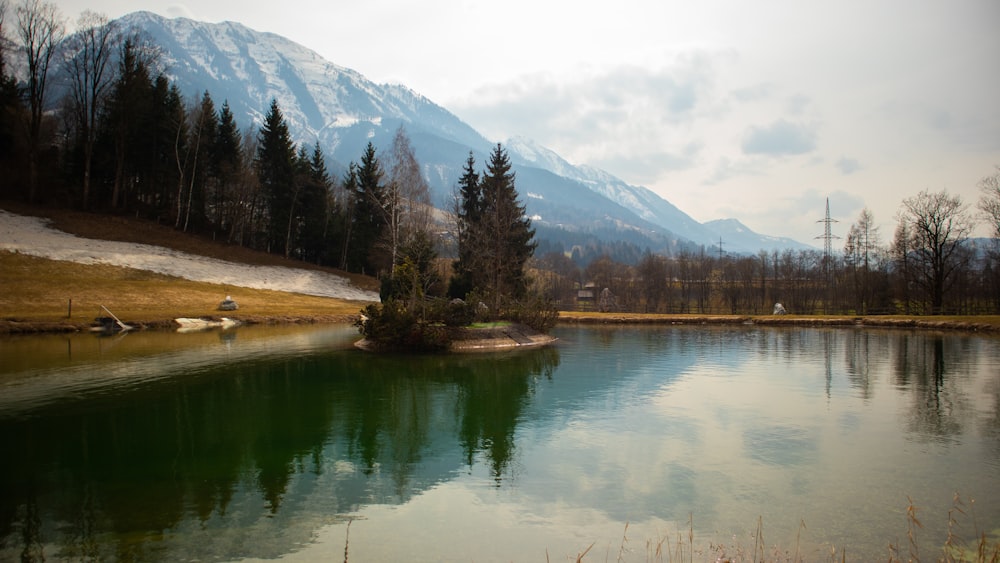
(38, 294)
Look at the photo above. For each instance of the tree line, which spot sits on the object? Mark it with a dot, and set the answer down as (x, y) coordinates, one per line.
(930, 265)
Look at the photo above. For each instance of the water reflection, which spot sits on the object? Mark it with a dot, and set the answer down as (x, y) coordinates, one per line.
(195, 467)
(252, 445)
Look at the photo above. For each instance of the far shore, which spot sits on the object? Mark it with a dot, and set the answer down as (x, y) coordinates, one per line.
(984, 323)
(987, 324)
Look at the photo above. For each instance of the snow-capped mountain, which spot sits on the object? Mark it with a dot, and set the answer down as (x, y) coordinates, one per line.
(641, 201)
(320, 100)
(737, 237)
(343, 111)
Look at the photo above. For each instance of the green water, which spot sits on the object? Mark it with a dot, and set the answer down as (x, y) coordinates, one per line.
(266, 443)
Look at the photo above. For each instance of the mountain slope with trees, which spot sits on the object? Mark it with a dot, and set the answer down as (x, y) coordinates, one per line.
(342, 111)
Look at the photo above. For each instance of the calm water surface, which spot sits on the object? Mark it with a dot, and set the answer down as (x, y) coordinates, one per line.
(267, 443)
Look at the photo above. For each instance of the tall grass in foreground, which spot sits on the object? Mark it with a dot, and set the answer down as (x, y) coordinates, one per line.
(979, 547)
(975, 546)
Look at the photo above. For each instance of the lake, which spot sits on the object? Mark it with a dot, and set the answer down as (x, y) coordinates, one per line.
(639, 443)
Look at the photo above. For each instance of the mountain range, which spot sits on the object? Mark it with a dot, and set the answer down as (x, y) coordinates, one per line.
(569, 204)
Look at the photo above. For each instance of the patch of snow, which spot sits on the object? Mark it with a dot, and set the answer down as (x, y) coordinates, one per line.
(33, 236)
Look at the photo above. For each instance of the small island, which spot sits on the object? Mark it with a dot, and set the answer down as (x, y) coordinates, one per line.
(487, 305)
(484, 337)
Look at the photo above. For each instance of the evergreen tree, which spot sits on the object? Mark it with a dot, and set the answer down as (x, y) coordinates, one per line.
(204, 124)
(507, 232)
(132, 122)
(469, 211)
(276, 172)
(161, 134)
(349, 188)
(227, 162)
(369, 215)
(315, 201)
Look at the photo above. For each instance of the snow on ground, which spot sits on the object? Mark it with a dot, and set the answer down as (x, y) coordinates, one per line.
(33, 236)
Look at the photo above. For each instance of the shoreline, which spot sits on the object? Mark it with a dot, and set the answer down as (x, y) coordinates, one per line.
(10, 327)
(989, 325)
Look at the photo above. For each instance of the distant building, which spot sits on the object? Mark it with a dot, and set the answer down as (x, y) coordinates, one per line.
(586, 297)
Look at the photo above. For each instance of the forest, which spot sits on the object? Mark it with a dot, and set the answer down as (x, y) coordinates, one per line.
(92, 122)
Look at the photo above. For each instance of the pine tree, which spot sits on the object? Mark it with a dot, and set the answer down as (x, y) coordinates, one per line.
(137, 130)
(349, 187)
(314, 199)
(468, 213)
(204, 124)
(369, 216)
(505, 233)
(276, 171)
(227, 162)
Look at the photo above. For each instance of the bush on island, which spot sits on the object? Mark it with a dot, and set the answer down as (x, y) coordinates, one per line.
(430, 325)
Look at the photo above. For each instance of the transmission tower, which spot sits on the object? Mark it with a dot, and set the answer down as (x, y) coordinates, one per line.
(828, 268)
(827, 235)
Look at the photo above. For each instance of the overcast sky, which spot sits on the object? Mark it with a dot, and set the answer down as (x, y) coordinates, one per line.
(754, 110)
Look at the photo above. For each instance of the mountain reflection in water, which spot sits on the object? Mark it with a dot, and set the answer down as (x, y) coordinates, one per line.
(264, 443)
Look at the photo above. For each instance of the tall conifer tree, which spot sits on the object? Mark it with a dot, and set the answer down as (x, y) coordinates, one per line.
(276, 172)
(469, 211)
(499, 240)
(369, 215)
(227, 162)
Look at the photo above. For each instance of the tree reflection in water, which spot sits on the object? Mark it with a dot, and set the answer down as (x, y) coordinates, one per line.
(153, 473)
(186, 454)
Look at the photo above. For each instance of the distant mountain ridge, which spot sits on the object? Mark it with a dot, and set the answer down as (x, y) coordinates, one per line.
(737, 237)
(343, 111)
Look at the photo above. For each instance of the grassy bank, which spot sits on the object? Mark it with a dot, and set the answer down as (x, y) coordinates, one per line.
(41, 295)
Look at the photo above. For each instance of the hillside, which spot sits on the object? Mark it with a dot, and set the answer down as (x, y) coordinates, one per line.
(38, 289)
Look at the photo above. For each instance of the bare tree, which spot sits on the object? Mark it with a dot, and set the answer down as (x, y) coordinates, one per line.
(989, 205)
(407, 206)
(937, 224)
(652, 270)
(40, 29)
(989, 201)
(861, 251)
(91, 73)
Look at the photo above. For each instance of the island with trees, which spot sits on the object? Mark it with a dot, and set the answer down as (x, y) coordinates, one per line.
(488, 303)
